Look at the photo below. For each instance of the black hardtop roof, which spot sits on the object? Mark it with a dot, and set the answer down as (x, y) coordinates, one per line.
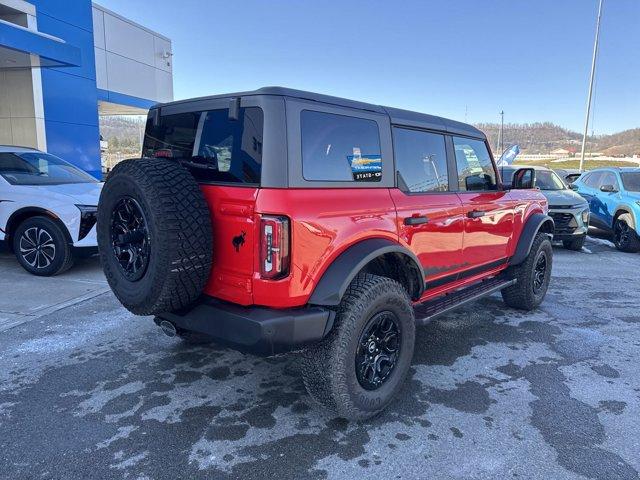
(397, 116)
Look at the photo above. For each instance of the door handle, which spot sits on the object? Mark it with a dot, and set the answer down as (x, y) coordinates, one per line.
(476, 214)
(421, 220)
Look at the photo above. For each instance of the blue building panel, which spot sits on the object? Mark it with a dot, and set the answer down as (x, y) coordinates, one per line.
(51, 52)
(68, 98)
(74, 35)
(73, 12)
(78, 144)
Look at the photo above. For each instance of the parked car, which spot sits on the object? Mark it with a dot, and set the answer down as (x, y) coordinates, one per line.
(568, 175)
(278, 220)
(47, 210)
(569, 211)
(614, 200)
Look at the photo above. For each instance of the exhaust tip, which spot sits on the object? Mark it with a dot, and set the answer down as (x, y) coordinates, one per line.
(168, 328)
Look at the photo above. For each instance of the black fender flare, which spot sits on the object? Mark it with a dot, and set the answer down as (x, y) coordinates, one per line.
(336, 279)
(535, 223)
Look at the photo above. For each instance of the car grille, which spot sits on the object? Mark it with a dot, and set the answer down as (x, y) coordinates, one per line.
(564, 222)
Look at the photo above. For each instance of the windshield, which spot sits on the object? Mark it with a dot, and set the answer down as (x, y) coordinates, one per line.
(548, 180)
(631, 181)
(38, 168)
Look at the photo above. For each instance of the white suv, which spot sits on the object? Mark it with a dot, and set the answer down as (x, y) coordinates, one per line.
(47, 209)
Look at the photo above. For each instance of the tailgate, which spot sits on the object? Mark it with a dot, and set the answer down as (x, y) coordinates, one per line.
(232, 217)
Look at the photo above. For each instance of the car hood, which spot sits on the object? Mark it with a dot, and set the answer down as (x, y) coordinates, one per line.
(79, 193)
(563, 198)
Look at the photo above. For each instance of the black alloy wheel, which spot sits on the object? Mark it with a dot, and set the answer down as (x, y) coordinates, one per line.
(378, 350)
(130, 238)
(540, 272)
(621, 232)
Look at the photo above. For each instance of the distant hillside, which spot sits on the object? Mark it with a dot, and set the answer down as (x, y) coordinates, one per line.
(543, 137)
(123, 134)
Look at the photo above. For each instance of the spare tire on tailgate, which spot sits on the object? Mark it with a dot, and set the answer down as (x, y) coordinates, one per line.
(154, 235)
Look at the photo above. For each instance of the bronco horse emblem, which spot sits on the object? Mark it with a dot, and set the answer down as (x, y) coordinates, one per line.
(238, 241)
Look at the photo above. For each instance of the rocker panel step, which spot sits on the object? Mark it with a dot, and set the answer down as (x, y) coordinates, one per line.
(427, 311)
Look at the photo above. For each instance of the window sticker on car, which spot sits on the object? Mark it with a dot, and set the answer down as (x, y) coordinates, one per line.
(365, 168)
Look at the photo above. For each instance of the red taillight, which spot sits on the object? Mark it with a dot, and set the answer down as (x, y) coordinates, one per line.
(274, 247)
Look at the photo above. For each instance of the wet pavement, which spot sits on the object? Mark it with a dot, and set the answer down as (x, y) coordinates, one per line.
(89, 391)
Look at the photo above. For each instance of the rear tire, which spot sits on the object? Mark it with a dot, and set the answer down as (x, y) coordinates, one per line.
(533, 276)
(625, 237)
(576, 244)
(42, 247)
(154, 236)
(355, 376)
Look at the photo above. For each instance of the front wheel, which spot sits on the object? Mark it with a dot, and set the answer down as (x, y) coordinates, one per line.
(532, 276)
(361, 365)
(41, 247)
(624, 236)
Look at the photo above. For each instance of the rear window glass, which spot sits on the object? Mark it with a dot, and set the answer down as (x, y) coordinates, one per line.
(212, 146)
(340, 148)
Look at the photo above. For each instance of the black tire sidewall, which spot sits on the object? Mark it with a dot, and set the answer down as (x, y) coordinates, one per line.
(59, 238)
(128, 292)
(375, 400)
(632, 244)
(546, 247)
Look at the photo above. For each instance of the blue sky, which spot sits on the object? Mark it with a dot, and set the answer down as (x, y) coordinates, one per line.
(461, 59)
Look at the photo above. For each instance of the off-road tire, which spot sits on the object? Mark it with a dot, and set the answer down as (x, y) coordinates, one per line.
(522, 295)
(63, 256)
(329, 367)
(179, 232)
(632, 242)
(575, 244)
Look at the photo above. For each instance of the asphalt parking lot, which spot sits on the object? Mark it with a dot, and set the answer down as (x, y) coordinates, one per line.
(89, 391)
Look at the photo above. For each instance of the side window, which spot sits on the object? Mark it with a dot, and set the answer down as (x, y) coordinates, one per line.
(475, 168)
(421, 160)
(340, 148)
(608, 178)
(592, 179)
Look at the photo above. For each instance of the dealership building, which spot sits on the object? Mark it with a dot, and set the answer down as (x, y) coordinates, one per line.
(63, 63)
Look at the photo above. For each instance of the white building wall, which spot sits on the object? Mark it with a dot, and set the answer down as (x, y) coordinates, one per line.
(131, 59)
(21, 103)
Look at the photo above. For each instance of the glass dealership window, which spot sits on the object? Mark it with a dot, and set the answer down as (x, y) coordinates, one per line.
(421, 160)
(340, 148)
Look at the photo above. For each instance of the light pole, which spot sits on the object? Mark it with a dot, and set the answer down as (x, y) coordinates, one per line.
(593, 71)
(501, 131)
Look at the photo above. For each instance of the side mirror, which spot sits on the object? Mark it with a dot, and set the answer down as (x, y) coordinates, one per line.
(608, 189)
(573, 187)
(477, 183)
(523, 178)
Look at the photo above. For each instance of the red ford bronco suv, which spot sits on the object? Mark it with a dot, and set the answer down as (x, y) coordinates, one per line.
(280, 220)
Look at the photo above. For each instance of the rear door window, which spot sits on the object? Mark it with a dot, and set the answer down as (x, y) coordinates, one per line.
(340, 148)
(421, 160)
(475, 168)
(212, 146)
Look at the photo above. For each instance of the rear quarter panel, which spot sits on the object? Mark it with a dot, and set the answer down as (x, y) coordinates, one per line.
(324, 223)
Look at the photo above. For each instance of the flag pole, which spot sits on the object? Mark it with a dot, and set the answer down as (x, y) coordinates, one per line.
(593, 71)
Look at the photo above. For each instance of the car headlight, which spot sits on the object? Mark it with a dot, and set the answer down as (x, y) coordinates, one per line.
(585, 216)
(88, 218)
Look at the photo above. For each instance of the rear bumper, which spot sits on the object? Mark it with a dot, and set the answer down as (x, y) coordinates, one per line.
(259, 330)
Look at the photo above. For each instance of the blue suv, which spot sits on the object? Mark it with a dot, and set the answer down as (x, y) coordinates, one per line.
(614, 201)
